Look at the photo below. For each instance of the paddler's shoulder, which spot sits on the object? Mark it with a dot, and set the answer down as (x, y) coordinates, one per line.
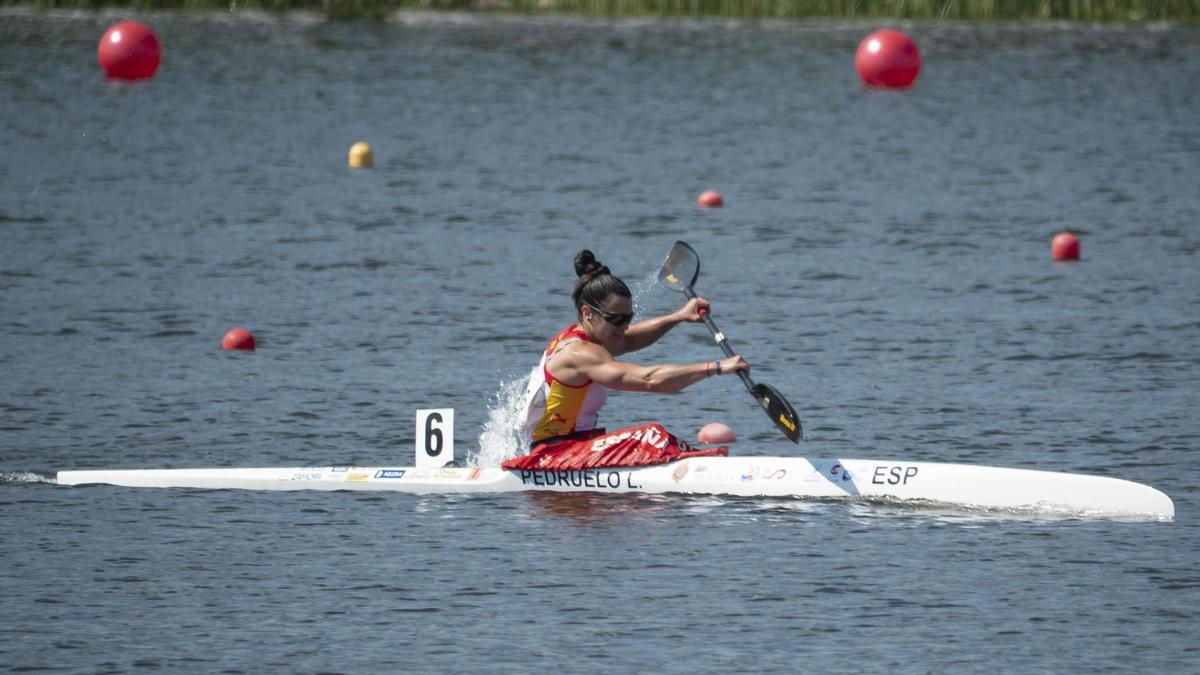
(581, 352)
(570, 333)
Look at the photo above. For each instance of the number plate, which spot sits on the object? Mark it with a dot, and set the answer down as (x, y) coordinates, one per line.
(435, 438)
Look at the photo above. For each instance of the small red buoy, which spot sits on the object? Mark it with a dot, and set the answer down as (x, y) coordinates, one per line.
(129, 51)
(710, 199)
(238, 338)
(1065, 247)
(888, 58)
(715, 433)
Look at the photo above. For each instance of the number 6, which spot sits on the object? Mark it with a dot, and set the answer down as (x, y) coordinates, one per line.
(435, 437)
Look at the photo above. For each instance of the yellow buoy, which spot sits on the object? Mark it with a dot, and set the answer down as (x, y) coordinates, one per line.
(361, 156)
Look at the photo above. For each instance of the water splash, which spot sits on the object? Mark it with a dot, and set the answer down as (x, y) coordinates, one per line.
(24, 477)
(501, 435)
(641, 286)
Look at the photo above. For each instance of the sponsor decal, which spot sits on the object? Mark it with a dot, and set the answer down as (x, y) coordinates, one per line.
(710, 473)
(448, 473)
(418, 474)
(579, 478)
(680, 471)
(308, 474)
(893, 475)
(763, 474)
(339, 469)
(838, 470)
(357, 477)
(390, 473)
(475, 474)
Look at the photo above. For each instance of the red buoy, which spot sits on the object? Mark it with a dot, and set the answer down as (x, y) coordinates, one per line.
(888, 58)
(1065, 247)
(129, 51)
(710, 199)
(715, 433)
(238, 338)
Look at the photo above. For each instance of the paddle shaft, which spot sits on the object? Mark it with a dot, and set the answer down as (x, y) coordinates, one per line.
(720, 338)
(679, 273)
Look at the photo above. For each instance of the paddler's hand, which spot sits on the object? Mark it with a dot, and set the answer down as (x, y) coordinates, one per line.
(733, 364)
(692, 310)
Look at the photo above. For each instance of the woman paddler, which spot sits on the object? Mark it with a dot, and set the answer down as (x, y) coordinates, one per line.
(579, 367)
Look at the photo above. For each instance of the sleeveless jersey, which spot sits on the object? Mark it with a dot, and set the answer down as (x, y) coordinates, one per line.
(556, 409)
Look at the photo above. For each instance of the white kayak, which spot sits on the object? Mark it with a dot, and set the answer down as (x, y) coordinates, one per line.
(982, 487)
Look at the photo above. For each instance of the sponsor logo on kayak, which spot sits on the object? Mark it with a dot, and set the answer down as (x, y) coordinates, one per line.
(680, 471)
(589, 478)
(714, 474)
(314, 474)
(838, 469)
(448, 473)
(475, 474)
(357, 477)
(756, 473)
(390, 473)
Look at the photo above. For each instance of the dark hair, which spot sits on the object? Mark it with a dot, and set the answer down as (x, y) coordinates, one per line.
(595, 282)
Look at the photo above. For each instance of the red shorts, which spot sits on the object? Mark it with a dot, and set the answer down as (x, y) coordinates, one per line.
(636, 446)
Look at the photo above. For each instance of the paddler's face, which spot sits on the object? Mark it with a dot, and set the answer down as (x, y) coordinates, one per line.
(608, 325)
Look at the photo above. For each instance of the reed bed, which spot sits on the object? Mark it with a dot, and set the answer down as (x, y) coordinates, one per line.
(979, 10)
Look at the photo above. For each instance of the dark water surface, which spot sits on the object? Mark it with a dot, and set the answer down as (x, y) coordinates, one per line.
(883, 259)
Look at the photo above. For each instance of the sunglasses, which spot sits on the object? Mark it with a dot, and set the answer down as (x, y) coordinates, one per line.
(614, 318)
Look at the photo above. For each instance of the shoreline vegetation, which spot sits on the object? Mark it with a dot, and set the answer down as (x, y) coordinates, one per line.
(970, 10)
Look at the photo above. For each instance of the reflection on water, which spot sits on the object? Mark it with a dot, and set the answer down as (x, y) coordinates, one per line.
(590, 509)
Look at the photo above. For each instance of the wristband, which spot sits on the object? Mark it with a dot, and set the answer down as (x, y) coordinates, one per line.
(718, 366)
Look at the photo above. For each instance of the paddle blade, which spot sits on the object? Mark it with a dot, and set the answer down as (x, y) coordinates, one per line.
(779, 410)
(681, 268)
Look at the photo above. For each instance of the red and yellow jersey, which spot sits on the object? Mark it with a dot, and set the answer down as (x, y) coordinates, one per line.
(556, 409)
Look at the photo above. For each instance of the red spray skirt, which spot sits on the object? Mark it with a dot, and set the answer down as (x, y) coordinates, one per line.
(636, 446)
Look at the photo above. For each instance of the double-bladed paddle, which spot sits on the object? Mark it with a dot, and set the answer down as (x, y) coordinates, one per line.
(679, 273)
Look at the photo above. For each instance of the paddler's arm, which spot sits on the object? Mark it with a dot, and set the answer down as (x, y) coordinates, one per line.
(594, 362)
(645, 333)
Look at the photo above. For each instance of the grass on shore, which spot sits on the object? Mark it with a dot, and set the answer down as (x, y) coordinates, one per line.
(1076, 10)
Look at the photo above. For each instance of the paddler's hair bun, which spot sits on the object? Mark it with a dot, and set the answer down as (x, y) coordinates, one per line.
(587, 265)
(595, 282)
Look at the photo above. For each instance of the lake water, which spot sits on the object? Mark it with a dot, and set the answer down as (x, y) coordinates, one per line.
(882, 259)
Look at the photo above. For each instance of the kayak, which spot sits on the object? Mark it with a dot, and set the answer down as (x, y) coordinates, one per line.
(983, 487)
